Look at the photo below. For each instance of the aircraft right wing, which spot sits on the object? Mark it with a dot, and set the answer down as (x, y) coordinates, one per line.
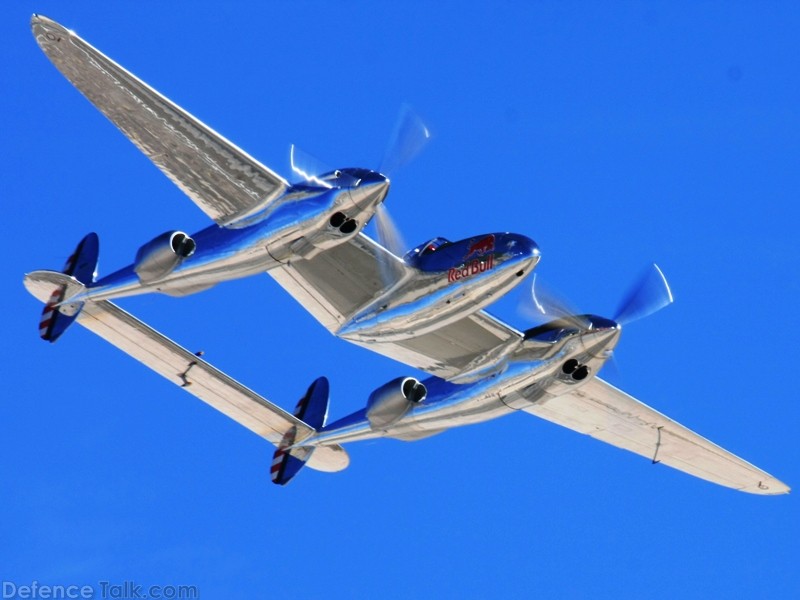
(603, 412)
(224, 181)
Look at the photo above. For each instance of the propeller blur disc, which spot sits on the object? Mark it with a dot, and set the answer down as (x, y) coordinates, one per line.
(389, 235)
(543, 304)
(408, 139)
(648, 295)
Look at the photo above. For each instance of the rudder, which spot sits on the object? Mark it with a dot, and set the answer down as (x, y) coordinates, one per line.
(82, 265)
(312, 409)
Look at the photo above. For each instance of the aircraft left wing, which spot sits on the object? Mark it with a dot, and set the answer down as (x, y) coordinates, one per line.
(606, 413)
(196, 376)
(224, 181)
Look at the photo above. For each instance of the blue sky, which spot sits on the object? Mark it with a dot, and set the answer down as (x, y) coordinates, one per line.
(613, 136)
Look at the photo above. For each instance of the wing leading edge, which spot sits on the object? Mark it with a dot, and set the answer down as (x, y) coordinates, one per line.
(606, 413)
(224, 181)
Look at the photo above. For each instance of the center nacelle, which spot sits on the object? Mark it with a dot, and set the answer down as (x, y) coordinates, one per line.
(447, 281)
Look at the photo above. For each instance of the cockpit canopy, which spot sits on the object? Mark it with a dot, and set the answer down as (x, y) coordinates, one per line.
(558, 329)
(425, 249)
(552, 331)
(339, 178)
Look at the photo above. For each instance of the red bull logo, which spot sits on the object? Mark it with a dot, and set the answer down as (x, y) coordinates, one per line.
(472, 268)
(482, 247)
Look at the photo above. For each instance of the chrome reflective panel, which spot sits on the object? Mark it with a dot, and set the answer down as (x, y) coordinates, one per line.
(444, 286)
(303, 222)
(573, 358)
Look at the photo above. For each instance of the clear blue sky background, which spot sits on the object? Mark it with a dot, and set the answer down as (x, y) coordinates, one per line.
(612, 135)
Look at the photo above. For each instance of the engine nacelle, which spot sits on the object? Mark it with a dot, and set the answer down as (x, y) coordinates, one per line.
(390, 402)
(159, 257)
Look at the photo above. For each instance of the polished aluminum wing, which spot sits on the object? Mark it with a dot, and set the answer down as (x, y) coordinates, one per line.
(197, 377)
(601, 411)
(223, 180)
(337, 282)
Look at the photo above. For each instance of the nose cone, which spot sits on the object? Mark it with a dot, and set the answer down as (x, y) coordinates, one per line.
(515, 243)
(370, 191)
(603, 335)
(601, 323)
(520, 248)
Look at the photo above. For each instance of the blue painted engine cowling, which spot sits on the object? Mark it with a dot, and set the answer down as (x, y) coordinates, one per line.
(159, 257)
(393, 400)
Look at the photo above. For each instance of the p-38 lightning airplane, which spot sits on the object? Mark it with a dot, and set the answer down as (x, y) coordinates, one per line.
(424, 309)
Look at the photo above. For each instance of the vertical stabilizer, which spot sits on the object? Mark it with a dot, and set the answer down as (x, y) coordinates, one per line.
(82, 266)
(313, 410)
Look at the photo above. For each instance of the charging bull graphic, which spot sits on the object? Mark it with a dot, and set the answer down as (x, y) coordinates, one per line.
(482, 247)
(483, 253)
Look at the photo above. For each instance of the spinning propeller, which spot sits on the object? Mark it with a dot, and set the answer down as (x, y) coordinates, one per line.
(649, 294)
(408, 139)
(543, 304)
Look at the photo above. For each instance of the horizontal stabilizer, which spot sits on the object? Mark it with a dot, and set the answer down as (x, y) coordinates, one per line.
(41, 283)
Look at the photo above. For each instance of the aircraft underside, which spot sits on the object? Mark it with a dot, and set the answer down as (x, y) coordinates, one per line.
(423, 307)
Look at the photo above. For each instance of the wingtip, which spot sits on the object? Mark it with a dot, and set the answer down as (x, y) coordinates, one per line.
(44, 25)
(37, 19)
(777, 487)
(782, 488)
(768, 487)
